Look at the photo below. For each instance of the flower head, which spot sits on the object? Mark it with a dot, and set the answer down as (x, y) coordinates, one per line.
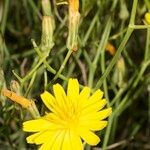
(73, 118)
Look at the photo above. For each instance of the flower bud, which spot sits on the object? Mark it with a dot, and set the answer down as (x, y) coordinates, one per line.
(46, 7)
(47, 33)
(74, 16)
(119, 73)
(15, 87)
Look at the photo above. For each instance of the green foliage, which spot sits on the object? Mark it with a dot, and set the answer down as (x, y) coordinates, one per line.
(126, 84)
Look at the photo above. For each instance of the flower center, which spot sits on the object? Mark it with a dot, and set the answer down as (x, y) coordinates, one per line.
(71, 117)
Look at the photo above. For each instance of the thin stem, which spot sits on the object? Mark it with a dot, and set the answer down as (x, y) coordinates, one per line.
(90, 29)
(118, 95)
(49, 68)
(147, 2)
(143, 68)
(107, 133)
(115, 58)
(45, 79)
(148, 89)
(30, 84)
(139, 26)
(102, 62)
(4, 18)
(63, 65)
(133, 12)
(100, 48)
(147, 48)
(34, 7)
(72, 65)
(34, 69)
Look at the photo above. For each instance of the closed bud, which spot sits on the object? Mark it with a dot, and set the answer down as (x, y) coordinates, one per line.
(47, 33)
(15, 87)
(46, 7)
(74, 17)
(119, 73)
(124, 13)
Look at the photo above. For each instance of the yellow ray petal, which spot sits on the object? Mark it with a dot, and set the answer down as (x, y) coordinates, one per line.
(85, 93)
(51, 140)
(93, 107)
(66, 143)
(96, 115)
(93, 125)
(60, 96)
(36, 125)
(73, 90)
(83, 96)
(40, 137)
(30, 139)
(89, 137)
(75, 141)
(104, 113)
(58, 141)
(48, 100)
(97, 95)
(54, 119)
(45, 146)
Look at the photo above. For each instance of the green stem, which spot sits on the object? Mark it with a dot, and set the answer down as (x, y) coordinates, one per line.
(147, 48)
(33, 6)
(115, 58)
(101, 48)
(148, 89)
(147, 2)
(108, 69)
(107, 133)
(63, 65)
(30, 84)
(49, 68)
(34, 69)
(73, 65)
(133, 12)
(118, 95)
(90, 29)
(4, 18)
(140, 26)
(143, 68)
(102, 62)
(45, 79)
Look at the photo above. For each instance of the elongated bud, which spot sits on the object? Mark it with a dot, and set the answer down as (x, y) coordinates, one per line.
(15, 87)
(74, 16)
(47, 33)
(119, 73)
(46, 7)
(124, 13)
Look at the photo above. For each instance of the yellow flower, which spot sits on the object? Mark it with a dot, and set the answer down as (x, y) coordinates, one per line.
(147, 17)
(73, 118)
